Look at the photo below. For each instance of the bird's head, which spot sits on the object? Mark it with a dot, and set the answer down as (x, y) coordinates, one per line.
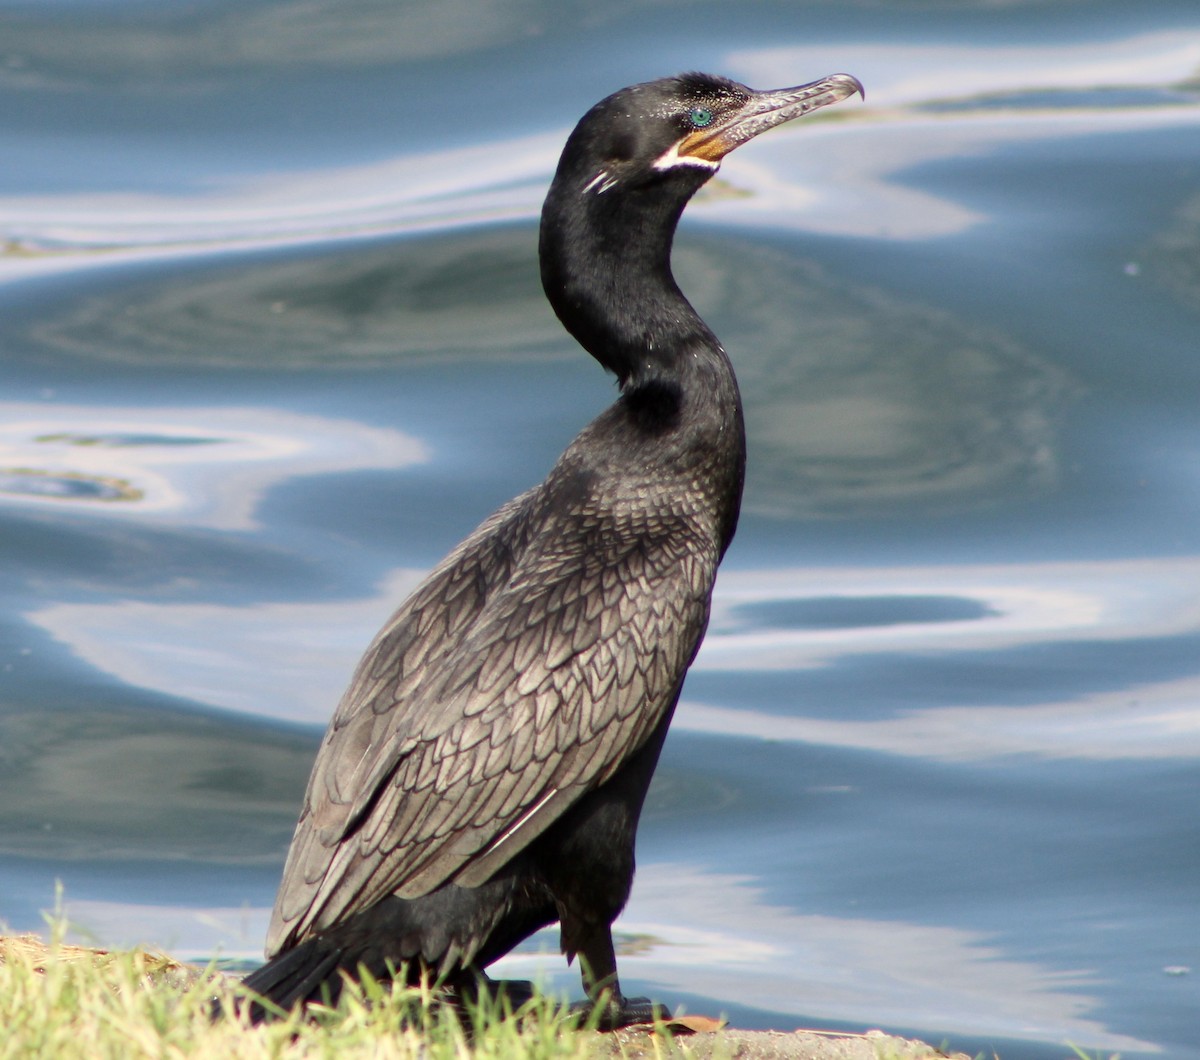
(625, 176)
(636, 136)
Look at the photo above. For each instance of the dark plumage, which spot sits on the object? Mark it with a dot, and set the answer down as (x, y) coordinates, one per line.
(484, 773)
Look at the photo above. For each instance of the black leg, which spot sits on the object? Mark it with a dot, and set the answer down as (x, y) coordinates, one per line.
(598, 965)
(476, 986)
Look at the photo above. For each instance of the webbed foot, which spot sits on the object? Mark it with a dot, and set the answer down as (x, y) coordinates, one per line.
(620, 1011)
(515, 991)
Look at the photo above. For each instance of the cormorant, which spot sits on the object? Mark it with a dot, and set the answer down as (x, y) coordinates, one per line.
(484, 773)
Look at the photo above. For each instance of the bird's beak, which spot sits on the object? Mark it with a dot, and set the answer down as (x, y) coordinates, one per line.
(764, 110)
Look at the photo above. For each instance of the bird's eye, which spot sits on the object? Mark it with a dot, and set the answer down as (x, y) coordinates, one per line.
(700, 117)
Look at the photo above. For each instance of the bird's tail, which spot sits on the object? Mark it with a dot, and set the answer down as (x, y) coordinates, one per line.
(307, 972)
(447, 936)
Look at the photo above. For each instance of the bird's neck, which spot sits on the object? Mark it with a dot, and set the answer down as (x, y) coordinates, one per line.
(607, 272)
(606, 269)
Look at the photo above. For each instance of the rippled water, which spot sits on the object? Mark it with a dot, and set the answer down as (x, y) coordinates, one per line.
(272, 341)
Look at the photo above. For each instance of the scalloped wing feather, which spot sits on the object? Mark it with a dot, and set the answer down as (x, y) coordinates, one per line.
(512, 681)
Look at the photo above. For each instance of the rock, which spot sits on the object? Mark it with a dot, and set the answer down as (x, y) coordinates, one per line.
(636, 1043)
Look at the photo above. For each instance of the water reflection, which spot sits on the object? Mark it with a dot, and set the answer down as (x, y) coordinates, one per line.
(839, 177)
(188, 933)
(432, 189)
(472, 294)
(853, 612)
(1152, 721)
(203, 466)
(979, 71)
(111, 782)
(303, 654)
(96, 49)
(715, 935)
(1002, 607)
(66, 485)
(1173, 254)
(840, 382)
(841, 174)
(837, 376)
(859, 970)
(864, 971)
(953, 783)
(288, 660)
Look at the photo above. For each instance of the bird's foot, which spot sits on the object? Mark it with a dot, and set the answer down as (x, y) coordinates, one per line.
(611, 1013)
(479, 987)
(515, 991)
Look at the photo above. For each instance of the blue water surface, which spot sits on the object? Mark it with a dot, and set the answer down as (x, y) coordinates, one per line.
(272, 341)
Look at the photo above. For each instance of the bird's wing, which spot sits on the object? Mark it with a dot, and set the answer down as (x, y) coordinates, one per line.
(492, 701)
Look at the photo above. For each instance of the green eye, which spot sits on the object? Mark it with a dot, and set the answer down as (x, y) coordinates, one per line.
(700, 117)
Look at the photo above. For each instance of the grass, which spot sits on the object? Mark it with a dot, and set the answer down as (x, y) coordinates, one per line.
(64, 1002)
(61, 1002)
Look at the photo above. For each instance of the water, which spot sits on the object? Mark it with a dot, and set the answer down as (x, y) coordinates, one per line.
(273, 342)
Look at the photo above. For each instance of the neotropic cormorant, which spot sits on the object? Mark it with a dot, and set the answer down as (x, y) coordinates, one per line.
(483, 775)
